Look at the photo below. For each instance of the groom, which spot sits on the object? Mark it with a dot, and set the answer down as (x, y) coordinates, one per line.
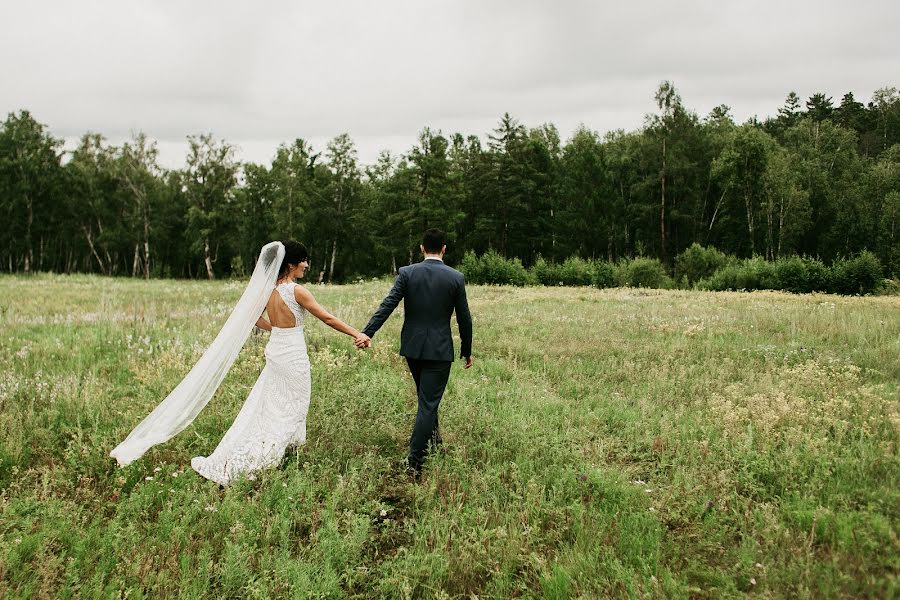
(431, 291)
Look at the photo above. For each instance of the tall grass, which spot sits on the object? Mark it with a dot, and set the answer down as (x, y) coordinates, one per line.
(615, 442)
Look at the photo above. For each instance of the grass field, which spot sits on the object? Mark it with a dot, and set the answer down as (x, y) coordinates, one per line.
(607, 443)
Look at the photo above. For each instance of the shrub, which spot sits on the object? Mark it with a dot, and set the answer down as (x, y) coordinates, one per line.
(760, 274)
(721, 280)
(858, 275)
(818, 276)
(697, 263)
(237, 268)
(643, 272)
(546, 273)
(792, 275)
(576, 271)
(748, 274)
(470, 266)
(889, 287)
(604, 275)
(493, 268)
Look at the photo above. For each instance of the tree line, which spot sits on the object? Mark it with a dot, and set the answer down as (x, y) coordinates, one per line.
(818, 179)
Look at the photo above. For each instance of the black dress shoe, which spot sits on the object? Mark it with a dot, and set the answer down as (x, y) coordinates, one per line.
(414, 473)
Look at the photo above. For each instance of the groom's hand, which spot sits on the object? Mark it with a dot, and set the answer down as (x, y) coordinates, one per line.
(468, 364)
(362, 341)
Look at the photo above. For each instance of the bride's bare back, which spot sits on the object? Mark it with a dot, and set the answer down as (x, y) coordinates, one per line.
(278, 312)
(285, 312)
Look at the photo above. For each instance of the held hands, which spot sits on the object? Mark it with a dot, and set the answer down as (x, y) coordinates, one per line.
(362, 341)
(468, 364)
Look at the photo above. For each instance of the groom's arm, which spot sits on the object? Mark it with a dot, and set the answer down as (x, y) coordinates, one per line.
(388, 305)
(464, 320)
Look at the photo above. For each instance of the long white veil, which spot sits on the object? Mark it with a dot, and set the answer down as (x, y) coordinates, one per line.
(189, 397)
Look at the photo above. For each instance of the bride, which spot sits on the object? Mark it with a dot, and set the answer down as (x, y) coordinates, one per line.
(274, 415)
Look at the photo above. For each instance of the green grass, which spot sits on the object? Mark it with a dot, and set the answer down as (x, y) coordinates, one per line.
(607, 443)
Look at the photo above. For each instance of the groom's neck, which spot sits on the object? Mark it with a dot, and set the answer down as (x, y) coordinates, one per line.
(437, 256)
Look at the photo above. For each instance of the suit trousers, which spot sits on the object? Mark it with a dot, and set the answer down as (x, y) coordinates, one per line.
(431, 380)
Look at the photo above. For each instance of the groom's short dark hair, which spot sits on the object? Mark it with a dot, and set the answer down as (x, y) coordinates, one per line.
(433, 240)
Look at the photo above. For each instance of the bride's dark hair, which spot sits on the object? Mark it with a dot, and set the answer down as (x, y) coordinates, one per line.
(294, 254)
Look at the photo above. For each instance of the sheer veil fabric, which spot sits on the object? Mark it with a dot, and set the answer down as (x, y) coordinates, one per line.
(190, 396)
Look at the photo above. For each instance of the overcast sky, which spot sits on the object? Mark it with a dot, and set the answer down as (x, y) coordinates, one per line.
(261, 73)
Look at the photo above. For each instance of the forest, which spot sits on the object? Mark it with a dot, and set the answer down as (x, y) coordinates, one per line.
(817, 179)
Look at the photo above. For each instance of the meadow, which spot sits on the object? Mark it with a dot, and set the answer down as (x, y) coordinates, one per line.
(607, 443)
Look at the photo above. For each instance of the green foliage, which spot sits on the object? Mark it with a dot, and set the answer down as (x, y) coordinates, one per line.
(210, 181)
(587, 202)
(791, 275)
(801, 275)
(818, 276)
(492, 268)
(858, 275)
(545, 273)
(604, 275)
(643, 272)
(861, 274)
(889, 287)
(238, 270)
(31, 180)
(746, 275)
(574, 271)
(816, 180)
(698, 262)
(741, 171)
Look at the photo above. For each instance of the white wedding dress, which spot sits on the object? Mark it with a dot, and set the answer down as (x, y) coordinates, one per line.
(274, 415)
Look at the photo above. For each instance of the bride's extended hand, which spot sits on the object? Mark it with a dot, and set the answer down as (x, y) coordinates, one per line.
(306, 300)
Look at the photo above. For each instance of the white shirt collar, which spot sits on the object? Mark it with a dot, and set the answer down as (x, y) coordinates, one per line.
(434, 258)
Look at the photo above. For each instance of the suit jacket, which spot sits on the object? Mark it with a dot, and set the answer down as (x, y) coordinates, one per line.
(431, 291)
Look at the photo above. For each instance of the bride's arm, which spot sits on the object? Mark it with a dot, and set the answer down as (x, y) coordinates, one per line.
(306, 300)
(263, 324)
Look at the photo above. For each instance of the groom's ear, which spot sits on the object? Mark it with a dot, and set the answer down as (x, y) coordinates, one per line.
(444, 249)
(422, 248)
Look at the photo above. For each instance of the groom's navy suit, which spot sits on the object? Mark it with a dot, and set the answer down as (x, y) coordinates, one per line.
(431, 291)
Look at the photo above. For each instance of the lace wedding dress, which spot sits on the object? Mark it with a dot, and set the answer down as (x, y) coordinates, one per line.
(274, 415)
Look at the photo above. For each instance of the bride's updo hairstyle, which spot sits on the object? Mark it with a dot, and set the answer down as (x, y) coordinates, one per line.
(294, 254)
